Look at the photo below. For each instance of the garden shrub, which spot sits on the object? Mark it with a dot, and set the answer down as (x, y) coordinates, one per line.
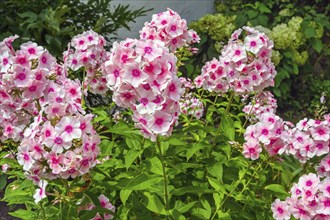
(167, 146)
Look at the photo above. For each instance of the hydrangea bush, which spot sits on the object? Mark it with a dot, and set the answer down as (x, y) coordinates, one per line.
(167, 147)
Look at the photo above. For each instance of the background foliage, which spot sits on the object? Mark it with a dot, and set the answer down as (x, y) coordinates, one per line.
(52, 24)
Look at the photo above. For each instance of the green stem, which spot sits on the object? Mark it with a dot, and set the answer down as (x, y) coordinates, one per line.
(43, 211)
(83, 104)
(218, 130)
(230, 193)
(164, 176)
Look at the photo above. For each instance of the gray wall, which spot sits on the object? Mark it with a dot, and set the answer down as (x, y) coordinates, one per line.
(188, 9)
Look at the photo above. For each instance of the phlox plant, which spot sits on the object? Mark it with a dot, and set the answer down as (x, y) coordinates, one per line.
(166, 147)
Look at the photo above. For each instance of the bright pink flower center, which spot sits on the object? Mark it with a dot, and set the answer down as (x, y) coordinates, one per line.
(26, 157)
(147, 50)
(84, 162)
(174, 41)
(83, 126)
(68, 128)
(58, 140)
(309, 183)
(136, 73)
(48, 133)
(173, 28)
(22, 60)
(237, 52)
(55, 160)
(73, 91)
(172, 88)
(32, 88)
(280, 210)
(31, 51)
(144, 101)
(252, 150)
(253, 43)
(44, 59)
(38, 77)
(127, 96)
(124, 58)
(326, 203)
(81, 42)
(21, 76)
(321, 132)
(116, 73)
(264, 132)
(159, 121)
(5, 61)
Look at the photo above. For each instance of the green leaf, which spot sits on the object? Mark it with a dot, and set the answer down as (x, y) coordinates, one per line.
(194, 148)
(310, 32)
(191, 189)
(263, 8)
(223, 215)
(217, 185)
(156, 165)
(186, 207)
(216, 170)
(143, 182)
(277, 188)
(124, 194)
(217, 199)
(23, 214)
(228, 127)
(3, 181)
(281, 75)
(317, 44)
(241, 20)
(295, 68)
(252, 13)
(131, 156)
(154, 204)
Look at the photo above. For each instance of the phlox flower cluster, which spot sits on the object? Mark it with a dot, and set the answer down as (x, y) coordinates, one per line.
(309, 199)
(105, 203)
(307, 139)
(261, 103)
(270, 132)
(323, 168)
(169, 28)
(190, 105)
(244, 66)
(24, 76)
(142, 76)
(64, 147)
(88, 52)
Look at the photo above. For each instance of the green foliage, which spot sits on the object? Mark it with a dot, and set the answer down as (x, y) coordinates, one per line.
(52, 24)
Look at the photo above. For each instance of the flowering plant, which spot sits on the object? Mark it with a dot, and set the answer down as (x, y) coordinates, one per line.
(167, 146)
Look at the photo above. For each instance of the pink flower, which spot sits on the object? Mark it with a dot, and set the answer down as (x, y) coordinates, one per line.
(24, 157)
(251, 150)
(150, 49)
(68, 128)
(23, 76)
(55, 162)
(160, 122)
(134, 75)
(320, 132)
(41, 192)
(280, 210)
